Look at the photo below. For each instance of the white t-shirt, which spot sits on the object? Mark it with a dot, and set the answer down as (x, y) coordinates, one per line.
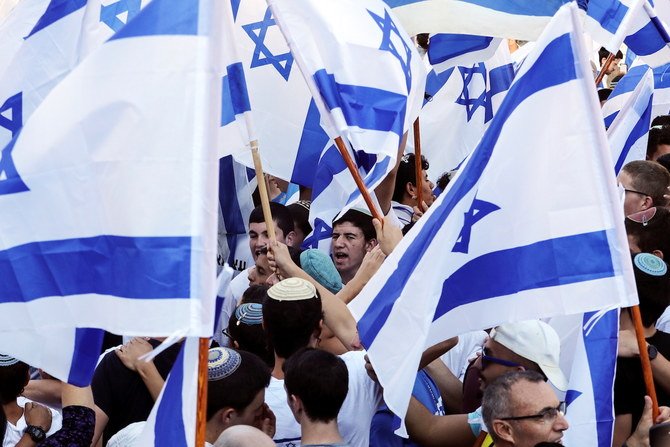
(14, 432)
(469, 344)
(239, 285)
(355, 416)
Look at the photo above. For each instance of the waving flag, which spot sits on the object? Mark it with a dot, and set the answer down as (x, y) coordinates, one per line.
(462, 104)
(629, 132)
(633, 22)
(115, 226)
(589, 345)
(449, 50)
(520, 19)
(482, 227)
(16, 26)
(173, 418)
(627, 85)
(286, 120)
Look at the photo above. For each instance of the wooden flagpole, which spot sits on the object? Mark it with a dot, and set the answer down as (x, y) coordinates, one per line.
(357, 178)
(603, 70)
(417, 163)
(263, 191)
(201, 412)
(644, 358)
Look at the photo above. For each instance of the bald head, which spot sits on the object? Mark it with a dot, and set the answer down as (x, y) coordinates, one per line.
(243, 436)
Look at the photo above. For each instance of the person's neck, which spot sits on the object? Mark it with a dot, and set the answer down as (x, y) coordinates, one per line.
(278, 371)
(313, 432)
(626, 323)
(13, 412)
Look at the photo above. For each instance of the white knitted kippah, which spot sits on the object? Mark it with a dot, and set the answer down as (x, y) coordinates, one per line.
(292, 289)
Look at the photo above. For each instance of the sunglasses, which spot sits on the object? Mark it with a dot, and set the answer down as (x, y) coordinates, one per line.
(488, 359)
(547, 415)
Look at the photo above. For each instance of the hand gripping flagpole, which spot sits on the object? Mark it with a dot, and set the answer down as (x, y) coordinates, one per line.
(644, 358)
(417, 163)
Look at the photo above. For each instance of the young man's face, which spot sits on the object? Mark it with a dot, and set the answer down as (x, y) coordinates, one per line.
(258, 237)
(348, 249)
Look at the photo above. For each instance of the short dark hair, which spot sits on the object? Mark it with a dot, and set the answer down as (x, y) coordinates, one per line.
(604, 94)
(289, 325)
(407, 173)
(321, 381)
(251, 338)
(603, 53)
(240, 388)
(280, 215)
(660, 120)
(300, 215)
(650, 178)
(360, 220)
(664, 160)
(654, 294)
(653, 234)
(13, 379)
(497, 402)
(255, 293)
(657, 136)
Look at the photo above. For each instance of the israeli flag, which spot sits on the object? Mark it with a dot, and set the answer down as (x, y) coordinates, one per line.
(629, 131)
(109, 206)
(53, 37)
(532, 257)
(520, 19)
(589, 345)
(450, 50)
(633, 22)
(172, 420)
(462, 103)
(629, 83)
(286, 120)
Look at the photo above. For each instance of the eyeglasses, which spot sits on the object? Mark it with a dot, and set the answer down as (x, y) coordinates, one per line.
(636, 192)
(546, 415)
(487, 360)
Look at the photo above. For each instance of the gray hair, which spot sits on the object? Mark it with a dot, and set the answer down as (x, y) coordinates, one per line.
(497, 402)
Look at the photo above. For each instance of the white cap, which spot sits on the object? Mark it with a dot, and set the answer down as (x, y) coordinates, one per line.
(292, 289)
(536, 341)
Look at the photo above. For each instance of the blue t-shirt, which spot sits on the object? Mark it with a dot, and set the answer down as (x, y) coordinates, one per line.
(384, 422)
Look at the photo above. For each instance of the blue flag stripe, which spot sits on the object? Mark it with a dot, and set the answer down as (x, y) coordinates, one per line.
(548, 263)
(520, 7)
(87, 345)
(230, 205)
(641, 128)
(649, 39)
(312, 141)
(545, 73)
(354, 100)
(169, 429)
(235, 97)
(56, 10)
(500, 78)
(163, 17)
(448, 46)
(130, 267)
(608, 13)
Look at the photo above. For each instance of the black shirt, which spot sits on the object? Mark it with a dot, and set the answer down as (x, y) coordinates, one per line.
(121, 393)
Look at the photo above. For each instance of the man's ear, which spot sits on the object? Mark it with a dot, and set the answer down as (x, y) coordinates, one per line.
(369, 245)
(227, 416)
(657, 253)
(290, 237)
(410, 189)
(503, 430)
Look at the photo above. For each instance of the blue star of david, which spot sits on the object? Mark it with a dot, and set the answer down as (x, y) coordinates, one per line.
(571, 395)
(13, 104)
(321, 231)
(478, 210)
(262, 54)
(10, 180)
(473, 103)
(109, 15)
(388, 28)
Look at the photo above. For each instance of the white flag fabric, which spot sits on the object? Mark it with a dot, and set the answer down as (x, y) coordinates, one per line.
(589, 345)
(517, 235)
(286, 119)
(520, 19)
(115, 226)
(630, 82)
(172, 421)
(462, 103)
(629, 132)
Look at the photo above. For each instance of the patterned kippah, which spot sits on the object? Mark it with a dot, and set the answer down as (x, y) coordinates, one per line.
(6, 360)
(650, 264)
(222, 362)
(249, 313)
(292, 289)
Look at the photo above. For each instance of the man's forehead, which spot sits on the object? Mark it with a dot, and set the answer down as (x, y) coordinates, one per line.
(347, 227)
(533, 397)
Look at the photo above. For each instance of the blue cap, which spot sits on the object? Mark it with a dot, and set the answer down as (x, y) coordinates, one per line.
(249, 313)
(6, 360)
(319, 266)
(650, 264)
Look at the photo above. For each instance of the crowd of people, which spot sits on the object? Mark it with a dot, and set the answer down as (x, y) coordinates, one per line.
(287, 368)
